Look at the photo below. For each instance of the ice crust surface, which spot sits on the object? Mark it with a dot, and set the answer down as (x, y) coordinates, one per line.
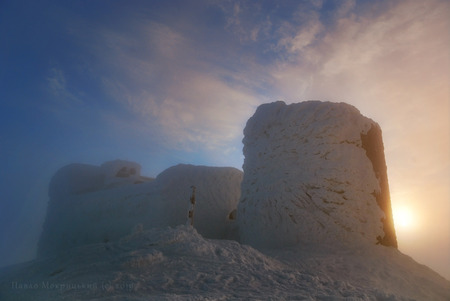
(90, 204)
(308, 178)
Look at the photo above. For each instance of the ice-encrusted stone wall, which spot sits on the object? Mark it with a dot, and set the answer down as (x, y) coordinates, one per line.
(313, 172)
(91, 204)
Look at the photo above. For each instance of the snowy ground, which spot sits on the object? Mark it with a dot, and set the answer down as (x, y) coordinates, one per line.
(179, 264)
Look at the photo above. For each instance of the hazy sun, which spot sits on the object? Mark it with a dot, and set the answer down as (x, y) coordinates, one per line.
(403, 217)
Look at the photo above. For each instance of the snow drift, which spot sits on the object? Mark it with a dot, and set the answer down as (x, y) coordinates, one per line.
(179, 264)
(90, 204)
(313, 172)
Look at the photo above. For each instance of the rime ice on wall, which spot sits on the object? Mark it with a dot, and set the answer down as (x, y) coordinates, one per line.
(82, 178)
(90, 204)
(218, 190)
(119, 172)
(313, 172)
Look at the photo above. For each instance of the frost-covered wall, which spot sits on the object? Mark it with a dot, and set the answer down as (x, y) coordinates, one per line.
(313, 172)
(91, 204)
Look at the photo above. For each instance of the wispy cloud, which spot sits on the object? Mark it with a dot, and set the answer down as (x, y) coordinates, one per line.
(170, 89)
(199, 112)
(57, 87)
(379, 56)
(247, 27)
(394, 62)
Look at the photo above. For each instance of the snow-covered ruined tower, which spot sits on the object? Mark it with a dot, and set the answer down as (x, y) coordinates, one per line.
(314, 172)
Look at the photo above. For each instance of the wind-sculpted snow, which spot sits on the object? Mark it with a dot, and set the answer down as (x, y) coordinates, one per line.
(179, 264)
(312, 174)
(90, 204)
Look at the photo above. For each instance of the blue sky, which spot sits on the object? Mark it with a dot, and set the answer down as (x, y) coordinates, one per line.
(167, 82)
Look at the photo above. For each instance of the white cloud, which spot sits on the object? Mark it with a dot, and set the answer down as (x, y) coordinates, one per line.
(245, 19)
(193, 104)
(201, 112)
(57, 87)
(303, 36)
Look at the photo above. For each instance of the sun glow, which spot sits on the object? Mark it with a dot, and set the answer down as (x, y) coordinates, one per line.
(403, 217)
